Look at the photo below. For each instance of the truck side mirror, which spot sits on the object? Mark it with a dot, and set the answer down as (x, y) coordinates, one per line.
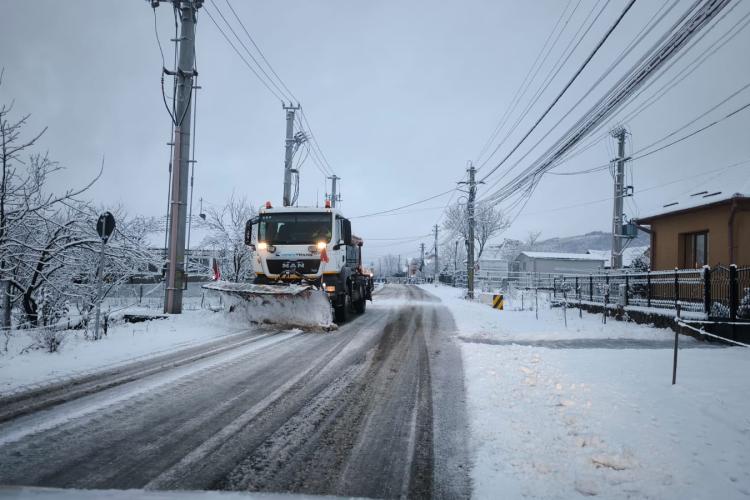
(347, 230)
(249, 232)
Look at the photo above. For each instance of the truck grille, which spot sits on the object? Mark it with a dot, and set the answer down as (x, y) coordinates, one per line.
(302, 266)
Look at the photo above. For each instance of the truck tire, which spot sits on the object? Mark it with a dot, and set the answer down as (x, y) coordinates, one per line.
(361, 304)
(341, 310)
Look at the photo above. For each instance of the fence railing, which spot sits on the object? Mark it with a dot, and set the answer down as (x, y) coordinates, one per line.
(720, 292)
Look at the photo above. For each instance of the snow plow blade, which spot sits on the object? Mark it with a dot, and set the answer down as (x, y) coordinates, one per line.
(290, 305)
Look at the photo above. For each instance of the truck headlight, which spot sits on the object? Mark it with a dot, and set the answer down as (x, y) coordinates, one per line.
(321, 245)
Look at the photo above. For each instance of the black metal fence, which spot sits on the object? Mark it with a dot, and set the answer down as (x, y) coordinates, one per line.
(722, 292)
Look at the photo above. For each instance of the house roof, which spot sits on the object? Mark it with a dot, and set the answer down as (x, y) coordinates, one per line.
(717, 190)
(696, 201)
(562, 256)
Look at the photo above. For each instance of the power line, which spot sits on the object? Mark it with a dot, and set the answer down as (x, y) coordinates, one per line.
(650, 63)
(553, 72)
(565, 88)
(293, 98)
(646, 189)
(521, 90)
(249, 66)
(678, 77)
(268, 81)
(403, 206)
(691, 134)
(247, 50)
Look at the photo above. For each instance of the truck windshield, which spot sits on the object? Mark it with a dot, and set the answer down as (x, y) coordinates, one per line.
(295, 228)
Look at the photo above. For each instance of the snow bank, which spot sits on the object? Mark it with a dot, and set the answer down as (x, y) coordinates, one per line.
(551, 421)
(124, 342)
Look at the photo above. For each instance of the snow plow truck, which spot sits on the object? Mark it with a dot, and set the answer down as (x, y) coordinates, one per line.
(307, 266)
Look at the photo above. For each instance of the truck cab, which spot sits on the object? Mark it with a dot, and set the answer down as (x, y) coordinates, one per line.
(311, 245)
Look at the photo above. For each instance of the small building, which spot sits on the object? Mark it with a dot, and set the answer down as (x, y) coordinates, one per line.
(492, 268)
(708, 228)
(558, 262)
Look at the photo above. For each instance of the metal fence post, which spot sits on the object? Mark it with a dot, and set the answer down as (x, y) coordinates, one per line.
(707, 290)
(676, 288)
(676, 345)
(648, 288)
(627, 289)
(733, 293)
(591, 288)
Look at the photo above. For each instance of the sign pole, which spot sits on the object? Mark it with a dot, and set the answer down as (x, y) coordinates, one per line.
(105, 226)
(99, 279)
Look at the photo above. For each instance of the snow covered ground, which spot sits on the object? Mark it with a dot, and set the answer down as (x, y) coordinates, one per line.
(123, 343)
(587, 410)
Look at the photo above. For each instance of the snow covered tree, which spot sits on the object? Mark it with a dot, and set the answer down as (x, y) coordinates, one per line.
(226, 228)
(531, 239)
(451, 253)
(48, 243)
(489, 222)
(389, 265)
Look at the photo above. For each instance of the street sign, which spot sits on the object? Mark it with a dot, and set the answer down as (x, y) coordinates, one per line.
(105, 226)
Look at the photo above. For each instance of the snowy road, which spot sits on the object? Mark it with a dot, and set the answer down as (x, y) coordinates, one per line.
(374, 409)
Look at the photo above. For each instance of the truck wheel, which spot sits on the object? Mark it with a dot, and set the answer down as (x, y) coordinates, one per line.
(341, 310)
(361, 304)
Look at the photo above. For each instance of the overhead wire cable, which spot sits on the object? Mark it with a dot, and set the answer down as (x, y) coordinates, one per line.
(248, 51)
(532, 101)
(403, 206)
(260, 52)
(249, 66)
(553, 72)
(678, 77)
(565, 88)
(657, 57)
(522, 87)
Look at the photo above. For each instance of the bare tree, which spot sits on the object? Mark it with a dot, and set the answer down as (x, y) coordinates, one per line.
(451, 254)
(226, 227)
(531, 239)
(389, 265)
(48, 243)
(489, 222)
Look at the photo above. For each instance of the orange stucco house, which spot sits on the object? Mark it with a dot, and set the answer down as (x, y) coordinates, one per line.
(709, 228)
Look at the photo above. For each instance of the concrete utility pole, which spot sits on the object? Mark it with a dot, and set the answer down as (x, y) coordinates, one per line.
(289, 153)
(470, 240)
(175, 270)
(335, 196)
(437, 271)
(421, 259)
(455, 263)
(619, 196)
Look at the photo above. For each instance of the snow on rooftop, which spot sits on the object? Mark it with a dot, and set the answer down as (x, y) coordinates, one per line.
(562, 256)
(719, 188)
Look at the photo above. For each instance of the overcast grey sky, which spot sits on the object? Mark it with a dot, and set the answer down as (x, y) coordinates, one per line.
(400, 95)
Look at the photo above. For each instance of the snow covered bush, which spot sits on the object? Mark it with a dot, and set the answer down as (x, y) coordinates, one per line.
(744, 310)
(719, 310)
(47, 338)
(49, 247)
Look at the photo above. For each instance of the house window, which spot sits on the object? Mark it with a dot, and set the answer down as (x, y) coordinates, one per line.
(695, 250)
